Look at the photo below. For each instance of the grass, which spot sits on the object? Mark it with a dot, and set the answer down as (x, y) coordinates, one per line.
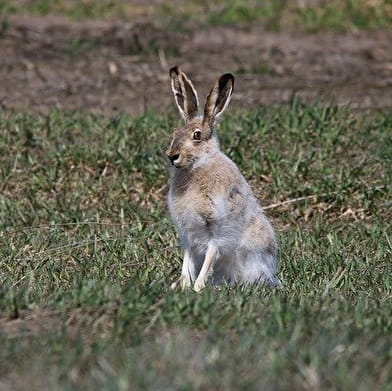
(87, 252)
(310, 16)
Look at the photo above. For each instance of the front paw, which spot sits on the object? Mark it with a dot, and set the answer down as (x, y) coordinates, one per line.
(199, 285)
(184, 282)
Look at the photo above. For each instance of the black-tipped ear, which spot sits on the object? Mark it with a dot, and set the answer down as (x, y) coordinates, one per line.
(219, 98)
(185, 94)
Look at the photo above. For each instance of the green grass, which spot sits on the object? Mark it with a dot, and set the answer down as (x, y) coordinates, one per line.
(311, 16)
(340, 15)
(88, 251)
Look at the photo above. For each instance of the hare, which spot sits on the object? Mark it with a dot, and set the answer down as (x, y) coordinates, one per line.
(223, 230)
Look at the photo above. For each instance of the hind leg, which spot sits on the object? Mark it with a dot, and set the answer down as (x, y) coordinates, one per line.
(259, 267)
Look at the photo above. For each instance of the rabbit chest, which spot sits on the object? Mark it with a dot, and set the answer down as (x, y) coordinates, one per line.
(194, 213)
(203, 211)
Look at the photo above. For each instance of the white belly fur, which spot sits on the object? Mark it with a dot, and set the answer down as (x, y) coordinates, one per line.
(236, 263)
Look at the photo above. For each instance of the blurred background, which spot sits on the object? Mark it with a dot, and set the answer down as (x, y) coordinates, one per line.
(113, 56)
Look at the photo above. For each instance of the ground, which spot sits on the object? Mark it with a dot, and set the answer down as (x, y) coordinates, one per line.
(117, 67)
(87, 247)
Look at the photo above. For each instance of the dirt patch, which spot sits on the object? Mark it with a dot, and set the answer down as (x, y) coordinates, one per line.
(116, 67)
(29, 323)
(77, 322)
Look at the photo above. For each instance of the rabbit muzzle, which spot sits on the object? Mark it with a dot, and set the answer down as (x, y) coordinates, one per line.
(174, 158)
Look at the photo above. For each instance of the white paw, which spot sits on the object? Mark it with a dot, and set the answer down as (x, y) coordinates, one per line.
(185, 282)
(199, 285)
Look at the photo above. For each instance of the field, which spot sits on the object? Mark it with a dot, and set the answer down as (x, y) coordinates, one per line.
(87, 247)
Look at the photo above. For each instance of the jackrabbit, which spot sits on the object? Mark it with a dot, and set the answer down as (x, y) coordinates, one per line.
(222, 228)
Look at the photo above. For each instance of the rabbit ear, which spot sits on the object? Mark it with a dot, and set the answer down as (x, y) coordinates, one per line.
(184, 94)
(219, 98)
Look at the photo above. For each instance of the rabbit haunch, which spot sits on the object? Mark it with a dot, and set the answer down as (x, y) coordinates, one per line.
(222, 228)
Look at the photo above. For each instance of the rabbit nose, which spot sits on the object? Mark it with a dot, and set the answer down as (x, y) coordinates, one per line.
(173, 158)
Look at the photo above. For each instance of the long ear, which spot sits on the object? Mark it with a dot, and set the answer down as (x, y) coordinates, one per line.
(219, 98)
(184, 94)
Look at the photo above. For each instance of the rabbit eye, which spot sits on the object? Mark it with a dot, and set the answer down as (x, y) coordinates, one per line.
(196, 135)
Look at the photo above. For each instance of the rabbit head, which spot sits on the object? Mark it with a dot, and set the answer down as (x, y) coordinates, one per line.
(196, 140)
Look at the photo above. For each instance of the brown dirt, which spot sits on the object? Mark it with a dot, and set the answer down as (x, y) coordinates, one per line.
(28, 323)
(77, 322)
(114, 67)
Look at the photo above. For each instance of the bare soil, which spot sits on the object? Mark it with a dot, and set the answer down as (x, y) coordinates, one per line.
(114, 67)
